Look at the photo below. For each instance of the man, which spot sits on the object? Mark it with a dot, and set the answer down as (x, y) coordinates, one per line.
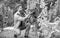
(17, 20)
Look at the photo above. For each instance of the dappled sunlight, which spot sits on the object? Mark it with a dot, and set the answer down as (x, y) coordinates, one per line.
(30, 19)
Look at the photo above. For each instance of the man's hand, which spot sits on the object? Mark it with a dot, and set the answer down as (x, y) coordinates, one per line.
(28, 14)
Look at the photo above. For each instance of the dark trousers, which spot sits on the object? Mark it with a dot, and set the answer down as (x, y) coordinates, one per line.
(27, 31)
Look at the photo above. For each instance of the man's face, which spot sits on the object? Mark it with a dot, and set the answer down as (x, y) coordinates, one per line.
(20, 8)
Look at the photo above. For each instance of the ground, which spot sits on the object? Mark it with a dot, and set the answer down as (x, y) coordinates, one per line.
(10, 34)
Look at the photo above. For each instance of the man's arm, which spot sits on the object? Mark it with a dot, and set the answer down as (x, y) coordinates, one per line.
(22, 18)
